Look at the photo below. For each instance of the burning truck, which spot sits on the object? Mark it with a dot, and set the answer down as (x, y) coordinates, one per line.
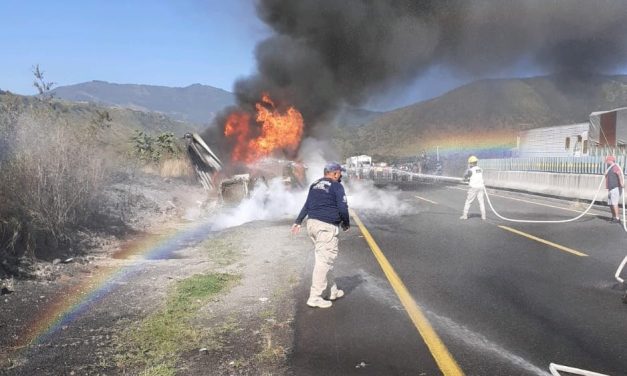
(258, 139)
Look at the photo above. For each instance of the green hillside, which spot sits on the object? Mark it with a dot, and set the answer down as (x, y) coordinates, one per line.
(120, 123)
(502, 106)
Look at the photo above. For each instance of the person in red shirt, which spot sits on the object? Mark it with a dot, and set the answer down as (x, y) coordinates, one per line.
(614, 182)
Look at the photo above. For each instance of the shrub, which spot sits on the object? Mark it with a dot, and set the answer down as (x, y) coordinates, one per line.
(53, 176)
(154, 148)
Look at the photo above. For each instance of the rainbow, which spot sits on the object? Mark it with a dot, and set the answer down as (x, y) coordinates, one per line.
(495, 144)
(70, 305)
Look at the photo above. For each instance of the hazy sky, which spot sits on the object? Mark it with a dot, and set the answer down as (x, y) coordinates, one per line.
(158, 42)
(172, 43)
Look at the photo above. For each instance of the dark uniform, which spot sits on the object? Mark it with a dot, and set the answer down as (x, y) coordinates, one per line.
(327, 209)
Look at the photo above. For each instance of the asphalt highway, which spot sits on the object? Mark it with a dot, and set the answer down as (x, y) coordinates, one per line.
(502, 298)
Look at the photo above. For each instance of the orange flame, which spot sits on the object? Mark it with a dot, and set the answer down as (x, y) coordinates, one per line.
(278, 131)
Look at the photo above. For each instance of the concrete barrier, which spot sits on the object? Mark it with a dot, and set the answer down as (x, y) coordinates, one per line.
(576, 186)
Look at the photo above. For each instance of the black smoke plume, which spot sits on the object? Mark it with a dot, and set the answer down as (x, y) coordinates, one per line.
(330, 53)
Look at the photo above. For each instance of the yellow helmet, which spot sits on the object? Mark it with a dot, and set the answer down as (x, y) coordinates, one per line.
(473, 159)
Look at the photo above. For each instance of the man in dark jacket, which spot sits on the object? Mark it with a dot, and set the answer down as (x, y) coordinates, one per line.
(327, 209)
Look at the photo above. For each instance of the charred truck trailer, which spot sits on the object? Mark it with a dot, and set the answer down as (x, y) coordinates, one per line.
(235, 188)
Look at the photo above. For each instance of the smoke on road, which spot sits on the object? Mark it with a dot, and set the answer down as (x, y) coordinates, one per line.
(274, 201)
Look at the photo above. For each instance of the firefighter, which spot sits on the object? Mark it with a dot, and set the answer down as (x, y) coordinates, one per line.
(474, 177)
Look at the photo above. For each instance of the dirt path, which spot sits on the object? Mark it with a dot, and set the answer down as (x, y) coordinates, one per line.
(80, 323)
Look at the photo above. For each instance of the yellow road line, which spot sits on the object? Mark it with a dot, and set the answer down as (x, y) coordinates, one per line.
(426, 199)
(555, 245)
(529, 202)
(440, 353)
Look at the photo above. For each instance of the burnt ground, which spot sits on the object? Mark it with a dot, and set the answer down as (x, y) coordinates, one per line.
(69, 319)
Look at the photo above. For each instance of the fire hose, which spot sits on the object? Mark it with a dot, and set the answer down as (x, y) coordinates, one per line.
(623, 221)
(594, 199)
(449, 178)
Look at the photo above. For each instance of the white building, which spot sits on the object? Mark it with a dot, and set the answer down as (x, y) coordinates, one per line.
(558, 141)
(605, 129)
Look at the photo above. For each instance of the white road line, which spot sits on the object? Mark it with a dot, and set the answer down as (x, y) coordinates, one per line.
(555, 368)
(543, 241)
(426, 199)
(620, 269)
(483, 344)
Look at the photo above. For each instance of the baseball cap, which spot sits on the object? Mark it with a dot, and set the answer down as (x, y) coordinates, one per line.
(333, 166)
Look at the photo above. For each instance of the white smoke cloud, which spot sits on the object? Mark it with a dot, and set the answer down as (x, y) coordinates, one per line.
(267, 202)
(313, 153)
(363, 195)
(274, 201)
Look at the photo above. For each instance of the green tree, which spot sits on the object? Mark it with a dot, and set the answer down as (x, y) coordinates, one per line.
(153, 149)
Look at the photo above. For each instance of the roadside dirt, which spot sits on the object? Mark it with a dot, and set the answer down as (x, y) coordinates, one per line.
(68, 321)
(259, 312)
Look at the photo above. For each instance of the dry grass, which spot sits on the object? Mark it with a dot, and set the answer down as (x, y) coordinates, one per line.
(53, 177)
(176, 168)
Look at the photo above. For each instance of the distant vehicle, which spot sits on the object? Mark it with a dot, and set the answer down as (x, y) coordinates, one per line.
(359, 161)
(359, 165)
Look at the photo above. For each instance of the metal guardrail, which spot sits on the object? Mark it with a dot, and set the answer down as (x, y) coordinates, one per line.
(598, 151)
(590, 165)
(567, 165)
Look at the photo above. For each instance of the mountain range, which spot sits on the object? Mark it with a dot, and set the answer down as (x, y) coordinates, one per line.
(195, 103)
(472, 112)
(485, 108)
